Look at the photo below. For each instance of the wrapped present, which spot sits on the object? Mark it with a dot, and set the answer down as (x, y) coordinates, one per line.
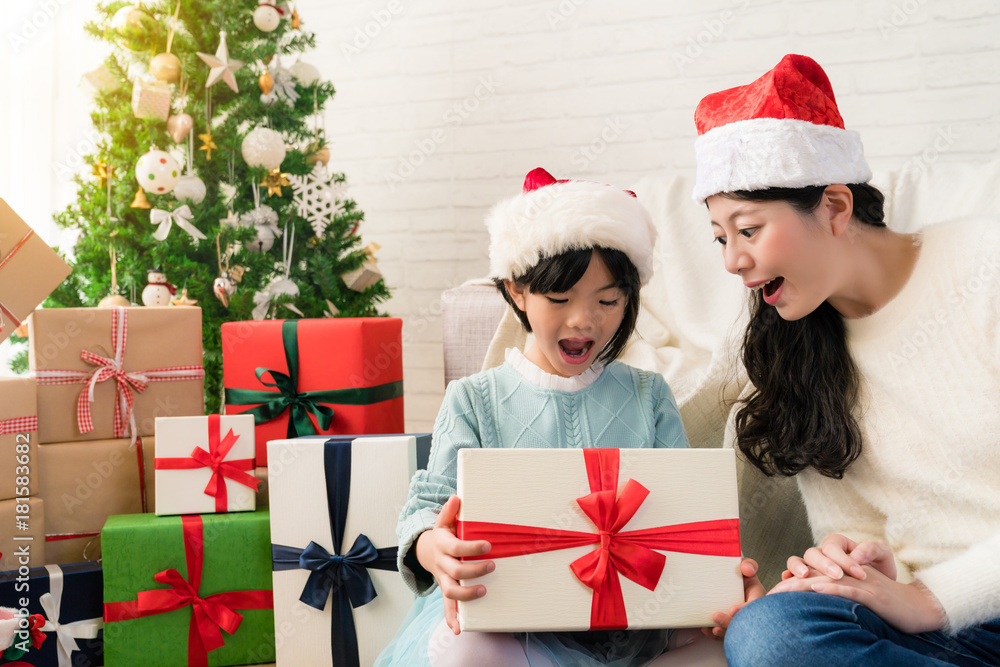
(150, 99)
(29, 270)
(99, 80)
(335, 504)
(22, 533)
(306, 377)
(83, 483)
(367, 274)
(173, 584)
(107, 373)
(214, 476)
(260, 472)
(68, 598)
(665, 523)
(18, 435)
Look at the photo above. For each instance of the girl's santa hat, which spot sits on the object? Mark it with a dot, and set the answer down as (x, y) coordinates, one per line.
(551, 217)
(783, 130)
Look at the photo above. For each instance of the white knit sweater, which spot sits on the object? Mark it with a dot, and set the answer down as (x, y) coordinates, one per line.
(928, 480)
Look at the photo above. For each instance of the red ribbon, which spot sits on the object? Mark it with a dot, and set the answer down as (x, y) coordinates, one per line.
(18, 425)
(628, 553)
(214, 460)
(209, 615)
(3, 309)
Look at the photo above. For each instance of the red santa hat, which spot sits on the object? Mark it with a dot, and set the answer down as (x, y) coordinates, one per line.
(551, 217)
(783, 130)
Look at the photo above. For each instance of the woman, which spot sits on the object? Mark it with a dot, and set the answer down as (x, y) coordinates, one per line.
(874, 360)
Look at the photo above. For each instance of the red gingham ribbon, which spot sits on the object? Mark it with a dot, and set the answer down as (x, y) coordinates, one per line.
(18, 425)
(3, 309)
(214, 458)
(128, 382)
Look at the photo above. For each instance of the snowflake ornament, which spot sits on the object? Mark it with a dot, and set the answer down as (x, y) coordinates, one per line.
(317, 197)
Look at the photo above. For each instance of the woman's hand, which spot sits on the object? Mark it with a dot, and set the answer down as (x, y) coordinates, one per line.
(838, 555)
(909, 608)
(439, 551)
(752, 589)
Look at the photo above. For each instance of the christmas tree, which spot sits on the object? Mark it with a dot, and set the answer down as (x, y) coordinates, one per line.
(200, 105)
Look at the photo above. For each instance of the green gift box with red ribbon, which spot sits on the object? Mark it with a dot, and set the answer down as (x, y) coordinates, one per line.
(314, 377)
(189, 590)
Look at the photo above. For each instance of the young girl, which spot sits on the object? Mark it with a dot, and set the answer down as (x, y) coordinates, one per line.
(569, 256)
(874, 361)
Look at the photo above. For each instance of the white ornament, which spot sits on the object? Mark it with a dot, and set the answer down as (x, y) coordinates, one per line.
(263, 147)
(317, 197)
(223, 67)
(190, 188)
(223, 287)
(281, 284)
(266, 16)
(157, 172)
(265, 221)
(306, 74)
(157, 292)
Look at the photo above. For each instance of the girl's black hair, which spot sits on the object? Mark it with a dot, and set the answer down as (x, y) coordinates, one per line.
(805, 383)
(560, 272)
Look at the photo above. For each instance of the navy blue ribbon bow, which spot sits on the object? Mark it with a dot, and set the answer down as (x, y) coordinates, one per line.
(344, 576)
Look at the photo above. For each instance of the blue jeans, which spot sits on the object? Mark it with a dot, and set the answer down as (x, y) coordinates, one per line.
(806, 629)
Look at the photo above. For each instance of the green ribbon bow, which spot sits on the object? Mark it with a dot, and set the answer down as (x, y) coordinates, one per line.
(301, 403)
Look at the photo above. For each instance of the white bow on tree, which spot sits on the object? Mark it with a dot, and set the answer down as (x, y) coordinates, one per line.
(181, 216)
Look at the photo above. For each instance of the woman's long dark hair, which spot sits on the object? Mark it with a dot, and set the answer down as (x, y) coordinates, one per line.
(805, 383)
(560, 272)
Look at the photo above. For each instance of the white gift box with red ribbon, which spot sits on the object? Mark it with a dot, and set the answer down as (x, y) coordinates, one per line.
(589, 539)
(204, 465)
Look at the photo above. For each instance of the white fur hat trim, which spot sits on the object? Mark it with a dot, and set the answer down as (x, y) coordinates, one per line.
(571, 215)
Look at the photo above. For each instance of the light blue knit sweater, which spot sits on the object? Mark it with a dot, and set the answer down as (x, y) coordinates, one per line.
(625, 407)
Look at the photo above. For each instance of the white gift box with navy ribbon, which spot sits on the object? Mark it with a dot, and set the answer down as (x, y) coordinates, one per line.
(335, 502)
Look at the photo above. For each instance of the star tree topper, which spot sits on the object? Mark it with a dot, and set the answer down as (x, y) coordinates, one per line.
(317, 197)
(223, 67)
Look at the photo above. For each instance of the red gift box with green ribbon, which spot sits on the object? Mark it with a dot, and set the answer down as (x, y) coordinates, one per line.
(190, 590)
(314, 377)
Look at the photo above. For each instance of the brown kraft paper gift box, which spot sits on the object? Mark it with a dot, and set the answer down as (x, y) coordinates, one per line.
(82, 484)
(16, 537)
(154, 339)
(17, 401)
(29, 270)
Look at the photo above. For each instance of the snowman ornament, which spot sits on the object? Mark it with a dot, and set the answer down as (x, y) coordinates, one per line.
(158, 292)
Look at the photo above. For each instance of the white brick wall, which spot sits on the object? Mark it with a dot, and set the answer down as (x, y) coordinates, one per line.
(443, 106)
(449, 104)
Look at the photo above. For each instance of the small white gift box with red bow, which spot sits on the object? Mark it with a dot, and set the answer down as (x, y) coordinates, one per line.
(204, 465)
(594, 539)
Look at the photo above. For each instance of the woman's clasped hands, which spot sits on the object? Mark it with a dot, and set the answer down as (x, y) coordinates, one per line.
(864, 572)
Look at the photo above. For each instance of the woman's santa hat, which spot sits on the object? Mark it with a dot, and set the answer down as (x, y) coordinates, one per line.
(551, 217)
(783, 130)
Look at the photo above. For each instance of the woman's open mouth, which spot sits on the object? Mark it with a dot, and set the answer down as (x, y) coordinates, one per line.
(575, 351)
(772, 290)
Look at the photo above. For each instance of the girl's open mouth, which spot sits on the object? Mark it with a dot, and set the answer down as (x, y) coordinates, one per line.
(772, 290)
(575, 351)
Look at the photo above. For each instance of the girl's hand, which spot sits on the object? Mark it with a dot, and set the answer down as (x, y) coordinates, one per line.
(439, 550)
(838, 555)
(752, 589)
(909, 608)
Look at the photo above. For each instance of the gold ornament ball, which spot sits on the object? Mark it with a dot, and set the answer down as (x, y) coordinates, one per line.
(112, 300)
(131, 21)
(166, 67)
(319, 155)
(266, 82)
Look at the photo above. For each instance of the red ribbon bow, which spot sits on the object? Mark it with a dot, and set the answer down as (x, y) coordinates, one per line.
(629, 553)
(209, 615)
(4, 311)
(214, 460)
